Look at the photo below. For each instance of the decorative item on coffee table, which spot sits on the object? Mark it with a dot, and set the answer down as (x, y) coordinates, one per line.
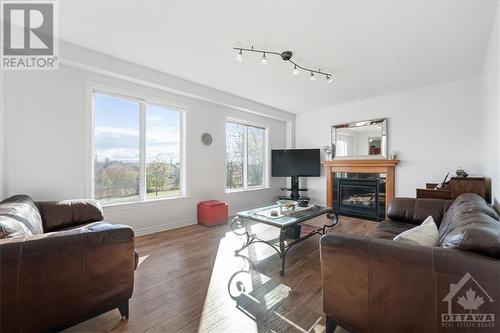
(303, 202)
(286, 206)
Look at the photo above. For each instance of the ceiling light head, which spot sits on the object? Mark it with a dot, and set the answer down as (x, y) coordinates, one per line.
(239, 56)
(264, 59)
(312, 77)
(329, 78)
(295, 70)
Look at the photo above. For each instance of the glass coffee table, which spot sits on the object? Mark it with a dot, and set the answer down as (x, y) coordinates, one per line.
(260, 215)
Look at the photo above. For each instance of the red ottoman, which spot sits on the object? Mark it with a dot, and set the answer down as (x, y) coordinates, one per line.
(212, 212)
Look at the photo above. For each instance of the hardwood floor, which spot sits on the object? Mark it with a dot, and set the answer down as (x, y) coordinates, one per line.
(189, 280)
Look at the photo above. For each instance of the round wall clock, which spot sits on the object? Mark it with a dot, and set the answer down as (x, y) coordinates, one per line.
(207, 139)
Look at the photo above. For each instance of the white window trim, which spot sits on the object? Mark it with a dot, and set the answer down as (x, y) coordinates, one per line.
(90, 89)
(266, 170)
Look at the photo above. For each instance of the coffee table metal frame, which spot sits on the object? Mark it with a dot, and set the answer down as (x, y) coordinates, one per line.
(292, 220)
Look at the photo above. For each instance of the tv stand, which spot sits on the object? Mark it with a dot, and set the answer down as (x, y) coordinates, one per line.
(295, 190)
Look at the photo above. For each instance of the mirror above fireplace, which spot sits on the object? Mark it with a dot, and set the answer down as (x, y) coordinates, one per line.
(360, 140)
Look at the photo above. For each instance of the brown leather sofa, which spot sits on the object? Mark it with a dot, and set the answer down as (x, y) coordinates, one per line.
(375, 284)
(59, 265)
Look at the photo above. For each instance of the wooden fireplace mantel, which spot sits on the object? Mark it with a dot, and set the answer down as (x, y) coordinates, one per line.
(360, 166)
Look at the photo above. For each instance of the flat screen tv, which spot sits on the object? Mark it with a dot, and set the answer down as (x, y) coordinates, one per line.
(296, 163)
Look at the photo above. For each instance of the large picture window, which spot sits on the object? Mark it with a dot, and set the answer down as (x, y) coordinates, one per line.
(137, 149)
(245, 156)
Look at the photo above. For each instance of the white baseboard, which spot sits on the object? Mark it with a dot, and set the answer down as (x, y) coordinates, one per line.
(163, 227)
(178, 224)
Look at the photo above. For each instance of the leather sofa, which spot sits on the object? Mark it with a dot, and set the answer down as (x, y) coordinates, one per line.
(375, 284)
(60, 265)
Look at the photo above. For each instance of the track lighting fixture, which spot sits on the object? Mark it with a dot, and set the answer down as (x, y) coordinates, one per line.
(239, 56)
(285, 56)
(264, 59)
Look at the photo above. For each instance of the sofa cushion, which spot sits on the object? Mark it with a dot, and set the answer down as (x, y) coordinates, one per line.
(470, 224)
(416, 210)
(388, 229)
(426, 234)
(61, 214)
(477, 232)
(457, 213)
(19, 216)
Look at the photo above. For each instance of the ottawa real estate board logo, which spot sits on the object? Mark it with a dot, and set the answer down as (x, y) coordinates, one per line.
(30, 35)
(468, 305)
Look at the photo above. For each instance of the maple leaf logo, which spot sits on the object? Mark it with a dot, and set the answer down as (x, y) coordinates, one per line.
(470, 301)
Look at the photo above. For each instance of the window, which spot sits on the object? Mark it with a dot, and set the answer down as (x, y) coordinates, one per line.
(137, 149)
(341, 149)
(245, 156)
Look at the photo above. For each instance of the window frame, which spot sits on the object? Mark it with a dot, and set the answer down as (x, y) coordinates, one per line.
(265, 173)
(143, 100)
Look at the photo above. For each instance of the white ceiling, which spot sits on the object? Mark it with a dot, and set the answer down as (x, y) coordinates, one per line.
(373, 47)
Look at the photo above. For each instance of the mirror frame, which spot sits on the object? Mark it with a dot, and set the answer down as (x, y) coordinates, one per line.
(383, 147)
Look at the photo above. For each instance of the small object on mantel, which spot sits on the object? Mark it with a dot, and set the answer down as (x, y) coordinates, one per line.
(461, 172)
(393, 155)
(328, 150)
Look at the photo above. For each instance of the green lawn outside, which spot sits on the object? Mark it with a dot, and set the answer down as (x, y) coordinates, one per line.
(171, 193)
(133, 197)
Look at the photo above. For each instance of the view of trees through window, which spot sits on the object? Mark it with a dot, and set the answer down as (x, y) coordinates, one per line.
(245, 156)
(163, 149)
(117, 150)
(255, 156)
(235, 136)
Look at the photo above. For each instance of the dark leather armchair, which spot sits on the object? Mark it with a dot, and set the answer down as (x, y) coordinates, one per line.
(374, 284)
(59, 265)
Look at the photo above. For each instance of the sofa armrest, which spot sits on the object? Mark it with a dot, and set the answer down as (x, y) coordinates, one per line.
(372, 284)
(62, 275)
(416, 210)
(62, 214)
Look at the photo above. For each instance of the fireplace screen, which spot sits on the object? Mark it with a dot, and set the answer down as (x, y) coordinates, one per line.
(358, 196)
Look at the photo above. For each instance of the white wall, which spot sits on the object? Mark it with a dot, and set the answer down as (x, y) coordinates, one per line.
(45, 140)
(490, 98)
(434, 130)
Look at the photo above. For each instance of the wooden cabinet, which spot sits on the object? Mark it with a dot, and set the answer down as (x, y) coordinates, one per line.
(433, 193)
(455, 187)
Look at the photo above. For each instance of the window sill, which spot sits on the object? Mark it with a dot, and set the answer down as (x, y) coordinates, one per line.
(142, 203)
(243, 190)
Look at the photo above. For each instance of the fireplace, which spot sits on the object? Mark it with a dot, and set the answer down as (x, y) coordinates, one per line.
(359, 195)
(381, 170)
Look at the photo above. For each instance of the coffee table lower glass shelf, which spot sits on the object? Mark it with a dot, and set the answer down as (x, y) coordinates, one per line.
(283, 223)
